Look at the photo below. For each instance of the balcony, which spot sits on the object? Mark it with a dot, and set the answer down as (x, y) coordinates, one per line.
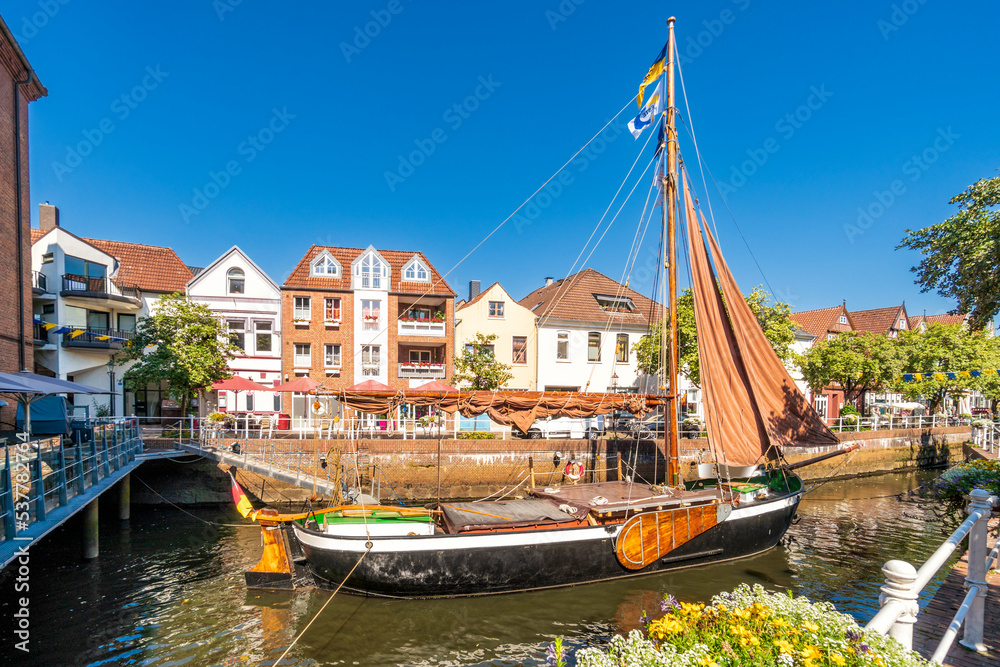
(421, 370)
(436, 329)
(39, 283)
(40, 335)
(91, 339)
(101, 289)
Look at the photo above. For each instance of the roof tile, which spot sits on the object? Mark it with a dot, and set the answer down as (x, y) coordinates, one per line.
(572, 299)
(397, 259)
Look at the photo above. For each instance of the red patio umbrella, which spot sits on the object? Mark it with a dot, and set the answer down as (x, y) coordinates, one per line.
(370, 385)
(434, 385)
(237, 383)
(302, 385)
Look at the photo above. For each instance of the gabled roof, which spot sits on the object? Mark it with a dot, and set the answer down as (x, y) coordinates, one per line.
(150, 268)
(397, 259)
(574, 299)
(878, 320)
(479, 297)
(946, 318)
(201, 273)
(823, 320)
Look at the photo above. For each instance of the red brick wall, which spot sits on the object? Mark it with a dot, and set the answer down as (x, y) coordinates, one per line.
(9, 250)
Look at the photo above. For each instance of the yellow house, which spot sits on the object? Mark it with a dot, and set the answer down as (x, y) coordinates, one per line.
(493, 311)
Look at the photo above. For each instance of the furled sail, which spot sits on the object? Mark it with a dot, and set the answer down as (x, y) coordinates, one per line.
(752, 405)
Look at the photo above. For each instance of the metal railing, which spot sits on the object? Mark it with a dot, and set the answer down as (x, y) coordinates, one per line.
(986, 437)
(39, 281)
(420, 370)
(73, 282)
(891, 422)
(39, 476)
(40, 333)
(904, 583)
(91, 338)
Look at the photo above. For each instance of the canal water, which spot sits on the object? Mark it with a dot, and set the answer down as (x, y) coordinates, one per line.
(168, 590)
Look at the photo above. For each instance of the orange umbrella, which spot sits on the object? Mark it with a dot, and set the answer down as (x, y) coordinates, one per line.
(303, 385)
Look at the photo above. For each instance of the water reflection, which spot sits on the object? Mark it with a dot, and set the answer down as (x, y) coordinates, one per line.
(170, 591)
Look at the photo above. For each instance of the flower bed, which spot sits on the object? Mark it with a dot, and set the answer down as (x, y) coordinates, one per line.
(751, 626)
(956, 483)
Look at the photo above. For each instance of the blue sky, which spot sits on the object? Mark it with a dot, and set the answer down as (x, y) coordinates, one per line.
(292, 122)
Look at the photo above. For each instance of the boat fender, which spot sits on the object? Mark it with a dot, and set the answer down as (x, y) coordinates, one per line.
(574, 470)
(722, 512)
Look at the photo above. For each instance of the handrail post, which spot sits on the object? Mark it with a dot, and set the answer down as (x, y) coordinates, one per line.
(898, 589)
(40, 489)
(63, 495)
(979, 501)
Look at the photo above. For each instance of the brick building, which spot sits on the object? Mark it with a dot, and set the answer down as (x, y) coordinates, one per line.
(351, 315)
(19, 85)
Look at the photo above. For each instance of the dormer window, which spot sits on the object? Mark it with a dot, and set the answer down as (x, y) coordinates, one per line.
(325, 266)
(370, 272)
(843, 319)
(236, 281)
(902, 324)
(615, 304)
(416, 272)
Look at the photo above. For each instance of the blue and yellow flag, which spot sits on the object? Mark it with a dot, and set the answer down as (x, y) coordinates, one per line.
(655, 70)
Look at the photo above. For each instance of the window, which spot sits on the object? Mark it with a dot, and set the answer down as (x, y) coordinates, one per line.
(76, 316)
(325, 265)
(126, 322)
(415, 272)
(303, 309)
(594, 346)
(331, 355)
(371, 272)
(97, 319)
(371, 313)
(621, 348)
(418, 313)
(615, 304)
(331, 309)
(81, 267)
(830, 336)
(262, 333)
(562, 346)
(370, 360)
(496, 308)
(843, 319)
(420, 356)
(277, 402)
(902, 324)
(303, 355)
(249, 401)
(236, 281)
(519, 349)
(237, 330)
(48, 258)
(48, 309)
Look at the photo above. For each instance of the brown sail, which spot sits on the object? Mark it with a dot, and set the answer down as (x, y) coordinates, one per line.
(788, 417)
(735, 429)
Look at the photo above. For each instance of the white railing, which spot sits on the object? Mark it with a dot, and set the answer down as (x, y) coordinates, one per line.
(903, 584)
(422, 328)
(421, 371)
(986, 437)
(891, 422)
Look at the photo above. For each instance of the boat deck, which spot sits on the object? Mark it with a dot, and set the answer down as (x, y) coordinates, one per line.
(621, 496)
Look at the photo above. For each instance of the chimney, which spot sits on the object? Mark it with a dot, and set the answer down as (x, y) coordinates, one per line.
(474, 289)
(48, 216)
(548, 280)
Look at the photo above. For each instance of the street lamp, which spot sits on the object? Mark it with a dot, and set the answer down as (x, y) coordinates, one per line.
(111, 374)
(614, 383)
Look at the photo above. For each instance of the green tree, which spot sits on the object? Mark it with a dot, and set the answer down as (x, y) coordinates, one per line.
(944, 349)
(478, 366)
(960, 254)
(774, 319)
(183, 344)
(857, 361)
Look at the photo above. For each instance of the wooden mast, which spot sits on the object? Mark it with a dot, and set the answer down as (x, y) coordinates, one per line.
(671, 443)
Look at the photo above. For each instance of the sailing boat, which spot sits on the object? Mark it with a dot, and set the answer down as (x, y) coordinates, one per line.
(568, 535)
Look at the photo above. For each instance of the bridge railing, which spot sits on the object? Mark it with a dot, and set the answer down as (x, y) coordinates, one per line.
(39, 476)
(904, 583)
(986, 436)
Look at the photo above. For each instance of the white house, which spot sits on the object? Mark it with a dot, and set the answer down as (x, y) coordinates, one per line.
(88, 295)
(249, 303)
(586, 326)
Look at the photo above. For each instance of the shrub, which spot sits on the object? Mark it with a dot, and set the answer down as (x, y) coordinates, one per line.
(956, 483)
(751, 626)
(476, 435)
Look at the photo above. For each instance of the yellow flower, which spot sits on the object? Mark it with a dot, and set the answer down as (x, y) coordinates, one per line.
(708, 662)
(784, 646)
(812, 653)
(838, 659)
(779, 622)
(810, 626)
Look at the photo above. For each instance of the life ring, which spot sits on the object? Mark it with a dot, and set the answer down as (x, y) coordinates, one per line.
(574, 471)
(318, 408)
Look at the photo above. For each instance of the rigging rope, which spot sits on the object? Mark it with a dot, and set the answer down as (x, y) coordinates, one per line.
(211, 523)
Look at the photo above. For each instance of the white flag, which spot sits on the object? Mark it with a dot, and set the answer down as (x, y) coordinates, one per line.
(649, 113)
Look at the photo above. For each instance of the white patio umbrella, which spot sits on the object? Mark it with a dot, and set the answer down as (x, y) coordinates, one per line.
(30, 387)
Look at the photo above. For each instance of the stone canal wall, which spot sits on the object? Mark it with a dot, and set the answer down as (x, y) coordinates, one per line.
(480, 468)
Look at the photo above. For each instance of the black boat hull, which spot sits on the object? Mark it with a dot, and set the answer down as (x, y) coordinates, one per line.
(482, 564)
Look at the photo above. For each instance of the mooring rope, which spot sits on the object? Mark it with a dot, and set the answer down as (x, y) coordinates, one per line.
(211, 523)
(368, 547)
